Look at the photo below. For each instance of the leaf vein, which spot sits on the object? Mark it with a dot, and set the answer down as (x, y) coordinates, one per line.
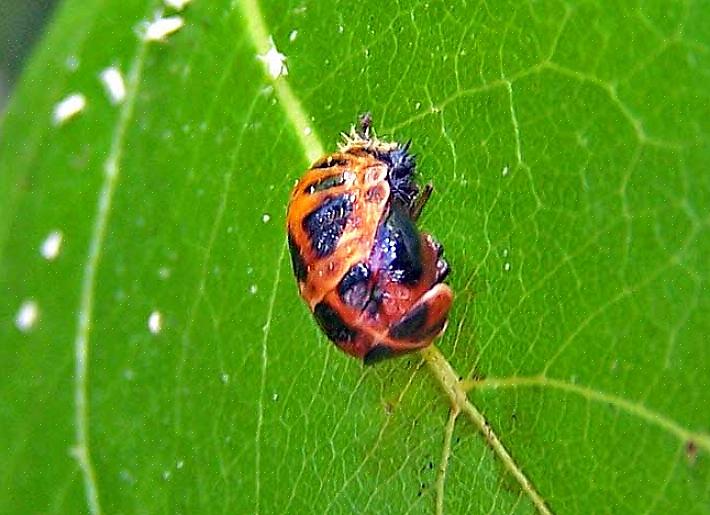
(633, 408)
(81, 449)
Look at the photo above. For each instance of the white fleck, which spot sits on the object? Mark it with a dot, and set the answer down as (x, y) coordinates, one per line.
(163, 272)
(27, 316)
(166, 474)
(417, 106)
(180, 464)
(266, 217)
(178, 5)
(275, 397)
(341, 29)
(155, 322)
(253, 289)
(505, 252)
(505, 170)
(506, 267)
(68, 108)
(224, 378)
(113, 82)
(159, 29)
(292, 37)
(274, 61)
(250, 270)
(72, 63)
(307, 131)
(51, 245)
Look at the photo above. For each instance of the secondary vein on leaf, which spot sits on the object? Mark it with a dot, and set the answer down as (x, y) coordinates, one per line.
(445, 456)
(112, 170)
(631, 407)
(264, 363)
(452, 386)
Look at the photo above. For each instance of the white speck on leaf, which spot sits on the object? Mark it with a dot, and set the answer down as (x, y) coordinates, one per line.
(274, 61)
(161, 28)
(180, 464)
(155, 322)
(27, 316)
(275, 397)
(307, 131)
(163, 272)
(292, 37)
(113, 82)
(253, 289)
(72, 63)
(506, 267)
(505, 171)
(266, 217)
(51, 245)
(224, 378)
(68, 108)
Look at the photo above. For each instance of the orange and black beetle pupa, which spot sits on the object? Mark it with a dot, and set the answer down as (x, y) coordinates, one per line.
(373, 282)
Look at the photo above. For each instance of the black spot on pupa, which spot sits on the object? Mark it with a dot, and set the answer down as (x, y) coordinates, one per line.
(400, 173)
(410, 327)
(325, 184)
(329, 162)
(299, 267)
(325, 224)
(433, 330)
(331, 323)
(398, 247)
(354, 286)
(376, 354)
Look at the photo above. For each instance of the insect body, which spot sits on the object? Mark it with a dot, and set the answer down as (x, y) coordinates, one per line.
(373, 282)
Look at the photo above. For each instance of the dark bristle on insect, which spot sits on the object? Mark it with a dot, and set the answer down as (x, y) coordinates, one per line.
(373, 280)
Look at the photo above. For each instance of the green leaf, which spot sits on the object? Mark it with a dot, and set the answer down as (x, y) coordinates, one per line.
(163, 361)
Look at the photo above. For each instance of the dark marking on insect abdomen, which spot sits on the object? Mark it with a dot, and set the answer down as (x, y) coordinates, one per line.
(410, 327)
(299, 267)
(377, 353)
(332, 324)
(398, 248)
(325, 224)
(325, 183)
(354, 287)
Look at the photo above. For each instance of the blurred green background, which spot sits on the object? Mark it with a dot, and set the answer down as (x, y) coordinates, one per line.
(21, 23)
